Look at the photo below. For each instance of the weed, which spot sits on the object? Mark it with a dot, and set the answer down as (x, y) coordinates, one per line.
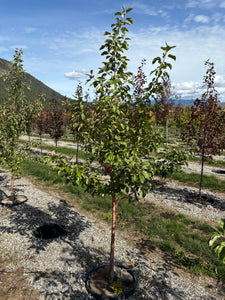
(117, 286)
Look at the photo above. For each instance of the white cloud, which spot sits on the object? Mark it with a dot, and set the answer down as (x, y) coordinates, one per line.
(188, 85)
(76, 75)
(201, 3)
(3, 49)
(222, 5)
(3, 38)
(18, 46)
(71, 43)
(29, 29)
(188, 89)
(193, 47)
(201, 19)
(220, 86)
(144, 9)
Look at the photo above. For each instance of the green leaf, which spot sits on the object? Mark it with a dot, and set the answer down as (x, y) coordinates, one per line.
(221, 251)
(146, 175)
(142, 178)
(156, 59)
(129, 9)
(172, 56)
(214, 238)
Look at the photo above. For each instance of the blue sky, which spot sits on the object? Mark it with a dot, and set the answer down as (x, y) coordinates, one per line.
(61, 39)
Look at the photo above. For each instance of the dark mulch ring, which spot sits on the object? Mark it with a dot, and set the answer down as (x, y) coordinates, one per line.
(124, 283)
(186, 195)
(204, 200)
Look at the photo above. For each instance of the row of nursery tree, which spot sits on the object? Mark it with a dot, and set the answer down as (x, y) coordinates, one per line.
(121, 129)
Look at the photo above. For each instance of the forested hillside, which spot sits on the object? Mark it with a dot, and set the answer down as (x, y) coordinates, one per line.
(36, 86)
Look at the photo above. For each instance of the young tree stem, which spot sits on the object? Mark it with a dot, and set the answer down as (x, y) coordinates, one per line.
(12, 184)
(113, 237)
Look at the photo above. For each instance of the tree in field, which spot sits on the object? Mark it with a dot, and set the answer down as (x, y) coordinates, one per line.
(205, 129)
(41, 124)
(32, 111)
(55, 121)
(140, 80)
(12, 117)
(164, 106)
(76, 110)
(120, 133)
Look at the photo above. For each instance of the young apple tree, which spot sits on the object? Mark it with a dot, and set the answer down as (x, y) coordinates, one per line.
(76, 109)
(41, 124)
(120, 135)
(55, 121)
(164, 106)
(205, 129)
(32, 111)
(12, 117)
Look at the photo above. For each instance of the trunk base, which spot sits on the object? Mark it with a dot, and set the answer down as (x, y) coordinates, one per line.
(13, 200)
(124, 283)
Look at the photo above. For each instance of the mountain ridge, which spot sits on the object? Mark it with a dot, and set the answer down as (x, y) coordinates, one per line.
(36, 86)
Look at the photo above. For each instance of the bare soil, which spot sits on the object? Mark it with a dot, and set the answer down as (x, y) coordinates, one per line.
(14, 285)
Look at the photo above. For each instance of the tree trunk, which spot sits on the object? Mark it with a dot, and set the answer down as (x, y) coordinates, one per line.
(77, 152)
(167, 122)
(201, 177)
(41, 143)
(56, 142)
(12, 185)
(113, 230)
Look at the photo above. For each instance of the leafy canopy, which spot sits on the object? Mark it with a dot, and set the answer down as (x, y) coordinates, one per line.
(119, 133)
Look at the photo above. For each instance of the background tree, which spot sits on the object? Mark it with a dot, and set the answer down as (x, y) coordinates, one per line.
(12, 117)
(110, 135)
(32, 111)
(55, 120)
(140, 80)
(164, 106)
(76, 109)
(41, 124)
(205, 129)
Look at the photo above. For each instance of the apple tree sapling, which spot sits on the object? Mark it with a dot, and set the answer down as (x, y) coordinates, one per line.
(13, 117)
(205, 128)
(55, 120)
(120, 134)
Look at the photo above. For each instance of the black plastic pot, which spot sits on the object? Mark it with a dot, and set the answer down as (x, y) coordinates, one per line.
(124, 295)
(9, 201)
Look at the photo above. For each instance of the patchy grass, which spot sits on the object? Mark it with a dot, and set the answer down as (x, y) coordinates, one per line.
(212, 162)
(210, 182)
(61, 150)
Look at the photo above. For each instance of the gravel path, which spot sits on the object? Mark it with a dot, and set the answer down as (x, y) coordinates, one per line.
(194, 167)
(57, 267)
